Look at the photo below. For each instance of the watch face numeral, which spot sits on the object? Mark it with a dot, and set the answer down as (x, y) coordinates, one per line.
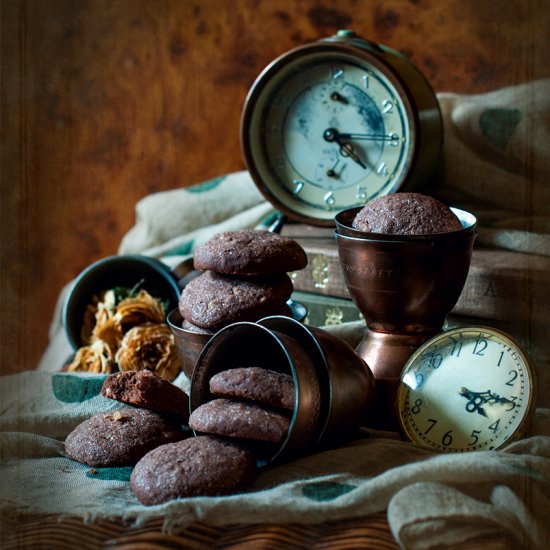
(494, 426)
(480, 346)
(432, 423)
(501, 356)
(336, 73)
(415, 409)
(382, 169)
(361, 193)
(447, 439)
(387, 106)
(457, 347)
(514, 375)
(474, 438)
(365, 80)
(298, 186)
(329, 199)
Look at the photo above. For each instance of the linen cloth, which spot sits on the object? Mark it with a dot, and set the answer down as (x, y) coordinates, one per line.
(499, 498)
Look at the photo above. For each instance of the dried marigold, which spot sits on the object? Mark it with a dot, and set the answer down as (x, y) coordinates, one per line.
(96, 357)
(149, 346)
(138, 310)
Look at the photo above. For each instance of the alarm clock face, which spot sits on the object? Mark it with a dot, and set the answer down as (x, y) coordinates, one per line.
(326, 130)
(466, 390)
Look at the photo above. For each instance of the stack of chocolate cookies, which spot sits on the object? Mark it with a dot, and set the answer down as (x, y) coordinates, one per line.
(245, 277)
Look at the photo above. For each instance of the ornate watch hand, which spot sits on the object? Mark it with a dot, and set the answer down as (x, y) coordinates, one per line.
(476, 399)
(346, 149)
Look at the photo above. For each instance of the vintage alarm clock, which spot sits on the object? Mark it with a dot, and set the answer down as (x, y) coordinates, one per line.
(334, 123)
(467, 389)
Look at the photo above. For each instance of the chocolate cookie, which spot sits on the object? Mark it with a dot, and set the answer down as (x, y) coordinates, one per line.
(119, 438)
(239, 419)
(264, 386)
(198, 466)
(406, 214)
(213, 300)
(145, 389)
(250, 252)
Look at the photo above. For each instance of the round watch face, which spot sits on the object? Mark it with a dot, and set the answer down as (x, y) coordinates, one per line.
(467, 389)
(325, 130)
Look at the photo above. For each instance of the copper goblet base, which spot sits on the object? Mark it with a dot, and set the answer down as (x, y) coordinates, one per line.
(404, 285)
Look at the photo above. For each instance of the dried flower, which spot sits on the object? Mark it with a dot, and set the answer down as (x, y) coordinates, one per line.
(138, 310)
(96, 357)
(149, 346)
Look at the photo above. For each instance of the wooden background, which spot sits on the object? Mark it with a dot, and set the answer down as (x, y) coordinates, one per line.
(106, 101)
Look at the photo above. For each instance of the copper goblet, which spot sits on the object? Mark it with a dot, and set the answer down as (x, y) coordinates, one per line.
(404, 285)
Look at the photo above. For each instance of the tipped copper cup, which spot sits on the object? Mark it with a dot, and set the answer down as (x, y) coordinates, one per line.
(345, 381)
(404, 285)
(251, 345)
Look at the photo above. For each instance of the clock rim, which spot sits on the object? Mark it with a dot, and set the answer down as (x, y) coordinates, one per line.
(529, 367)
(367, 53)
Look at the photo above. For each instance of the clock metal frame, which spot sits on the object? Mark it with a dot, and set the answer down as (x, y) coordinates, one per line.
(429, 349)
(417, 99)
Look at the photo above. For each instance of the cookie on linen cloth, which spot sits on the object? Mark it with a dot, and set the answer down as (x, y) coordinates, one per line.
(213, 300)
(145, 389)
(119, 438)
(198, 466)
(227, 417)
(406, 214)
(250, 252)
(264, 386)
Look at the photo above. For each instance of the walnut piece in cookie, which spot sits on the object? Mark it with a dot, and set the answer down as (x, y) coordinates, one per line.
(145, 389)
(119, 438)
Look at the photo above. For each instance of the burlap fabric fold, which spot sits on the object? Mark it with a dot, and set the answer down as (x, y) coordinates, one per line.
(433, 501)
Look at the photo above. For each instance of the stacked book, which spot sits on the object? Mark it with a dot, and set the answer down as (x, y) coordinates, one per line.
(504, 289)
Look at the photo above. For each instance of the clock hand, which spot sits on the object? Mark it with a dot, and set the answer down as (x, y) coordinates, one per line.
(370, 137)
(346, 149)
(476, 399)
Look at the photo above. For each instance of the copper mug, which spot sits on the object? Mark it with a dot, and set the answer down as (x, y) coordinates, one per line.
(334, 389)
(404, 285)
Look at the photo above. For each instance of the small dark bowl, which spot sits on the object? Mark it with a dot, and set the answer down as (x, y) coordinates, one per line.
(189, 343)
(116, 271)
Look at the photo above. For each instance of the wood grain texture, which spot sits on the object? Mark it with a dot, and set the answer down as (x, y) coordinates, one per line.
(105, 102)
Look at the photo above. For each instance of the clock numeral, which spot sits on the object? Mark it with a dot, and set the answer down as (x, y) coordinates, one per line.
(394, 139)
(447, 438)
(361, 193)
(480, 346)
(435, 360)
(514, 374)
(336, 73)
(382, 169)
(387, 106)
(500, 359)
(475, 437)
(457, 346)
(432, 422)
(513, 399)
(415, 409)
(298, 186)
(494, 426)
(329, 199)
(419, 380)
